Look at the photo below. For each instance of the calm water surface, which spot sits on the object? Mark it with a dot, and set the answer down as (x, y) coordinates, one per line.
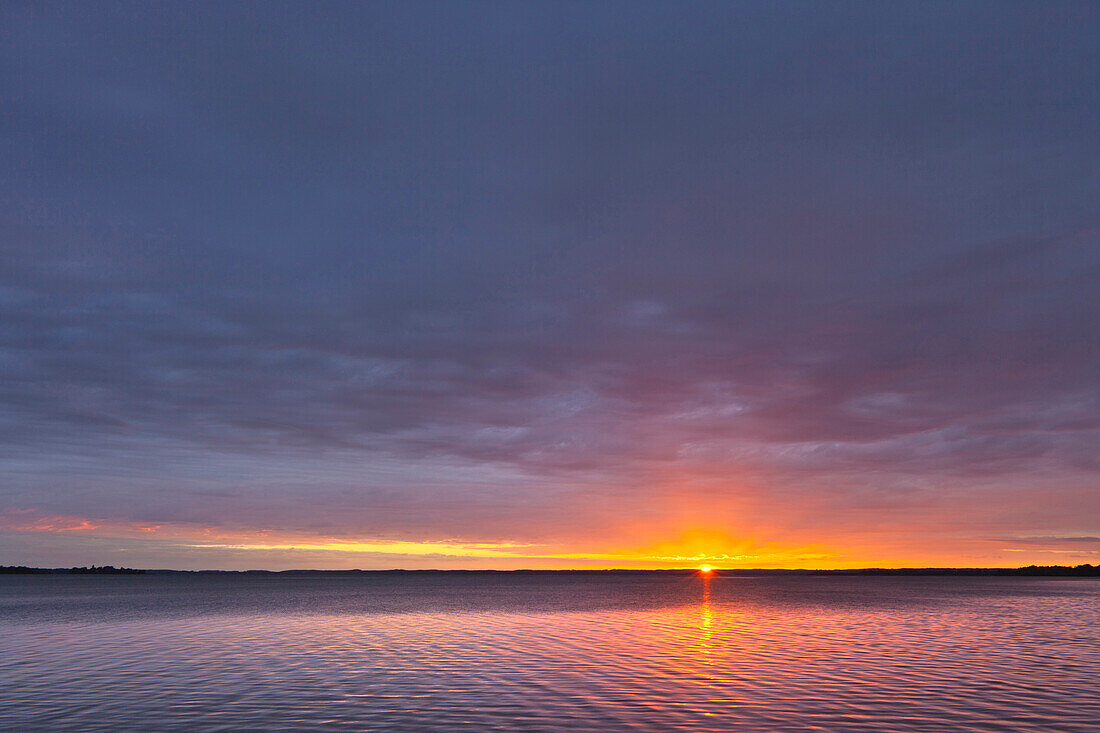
(548, 652)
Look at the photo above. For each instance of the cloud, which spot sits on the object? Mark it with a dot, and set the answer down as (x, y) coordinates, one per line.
(339, 266)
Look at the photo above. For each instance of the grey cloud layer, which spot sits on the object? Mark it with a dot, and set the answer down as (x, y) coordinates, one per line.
(567, 241)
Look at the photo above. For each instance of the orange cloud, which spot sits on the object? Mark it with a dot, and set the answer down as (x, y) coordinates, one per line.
(677, 544)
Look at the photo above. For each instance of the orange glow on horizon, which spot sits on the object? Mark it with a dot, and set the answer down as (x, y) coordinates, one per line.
(702, 548)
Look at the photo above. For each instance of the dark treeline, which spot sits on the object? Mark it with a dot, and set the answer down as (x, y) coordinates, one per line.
(93, 570)
(1029, 571)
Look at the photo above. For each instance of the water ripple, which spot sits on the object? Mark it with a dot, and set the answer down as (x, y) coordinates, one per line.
(676, 654)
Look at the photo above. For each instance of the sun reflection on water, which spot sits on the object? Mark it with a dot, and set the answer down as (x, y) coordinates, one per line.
(706, 647)
(706, 613)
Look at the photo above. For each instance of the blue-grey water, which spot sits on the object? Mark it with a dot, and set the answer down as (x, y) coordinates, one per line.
(548, 652)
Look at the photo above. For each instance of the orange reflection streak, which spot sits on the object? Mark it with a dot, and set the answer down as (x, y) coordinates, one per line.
(706, 615)
(703, 659)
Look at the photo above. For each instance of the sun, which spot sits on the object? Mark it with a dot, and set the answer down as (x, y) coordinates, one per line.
(705, 569)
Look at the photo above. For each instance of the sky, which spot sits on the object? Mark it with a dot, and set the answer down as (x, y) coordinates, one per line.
(549, 285)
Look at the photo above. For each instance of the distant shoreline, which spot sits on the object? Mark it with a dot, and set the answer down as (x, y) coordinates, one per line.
(1059, 571)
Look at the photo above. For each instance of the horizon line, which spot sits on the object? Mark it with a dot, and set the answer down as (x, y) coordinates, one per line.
(714, 570)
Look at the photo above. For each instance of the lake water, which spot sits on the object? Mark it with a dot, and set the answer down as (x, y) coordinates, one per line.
(548, 652)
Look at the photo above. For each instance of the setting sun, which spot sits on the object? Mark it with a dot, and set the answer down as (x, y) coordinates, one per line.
(705, 569)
